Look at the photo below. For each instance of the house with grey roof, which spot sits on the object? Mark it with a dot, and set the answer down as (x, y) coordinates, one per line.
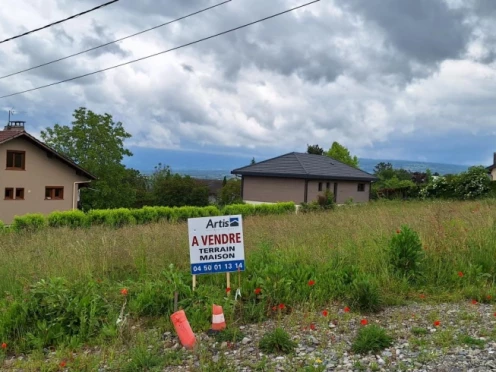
(301, 177)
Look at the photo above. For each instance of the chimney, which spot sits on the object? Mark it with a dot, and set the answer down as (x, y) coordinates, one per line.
(17, 126)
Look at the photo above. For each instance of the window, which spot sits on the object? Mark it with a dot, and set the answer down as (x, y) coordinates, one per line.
(328, 185)
(54, 193)
(19, 194)
(16, 160)
(9, 193)
(320, 186)
(361, 187)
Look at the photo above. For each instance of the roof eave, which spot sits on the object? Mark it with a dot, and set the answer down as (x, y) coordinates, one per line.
(302, 176)
(48, 148)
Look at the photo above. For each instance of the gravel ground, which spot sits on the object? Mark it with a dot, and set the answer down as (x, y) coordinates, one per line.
(463, 341)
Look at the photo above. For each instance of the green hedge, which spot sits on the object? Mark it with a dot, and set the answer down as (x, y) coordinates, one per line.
(122, 216)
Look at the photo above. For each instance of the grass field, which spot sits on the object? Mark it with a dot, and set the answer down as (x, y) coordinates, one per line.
(344, 251)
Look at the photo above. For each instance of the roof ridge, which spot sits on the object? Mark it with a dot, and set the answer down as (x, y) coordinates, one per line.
(264, 161)
(299, 161)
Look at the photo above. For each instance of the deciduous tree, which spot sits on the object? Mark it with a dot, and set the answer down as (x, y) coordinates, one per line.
(96, 143)
(342, 154)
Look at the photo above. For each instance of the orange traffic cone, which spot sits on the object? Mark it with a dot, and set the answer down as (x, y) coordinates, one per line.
(183, 329)
(218, 320)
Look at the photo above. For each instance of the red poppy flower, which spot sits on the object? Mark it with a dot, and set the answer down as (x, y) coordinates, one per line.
(437, 323)
(281, 306)
(460, 274)
(311, 282)
(228, 290)
(4, 345)
(422, 295)
(312, 327)
(474, 302)
(257, 291)
(124, 291)
(63, 364)
(364, 322)
(488, 297)
(325, 313)
(346, 309)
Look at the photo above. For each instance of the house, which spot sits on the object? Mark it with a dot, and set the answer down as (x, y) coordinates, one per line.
(492, 169)
(34, 178)
(301, 177)
(214, 186)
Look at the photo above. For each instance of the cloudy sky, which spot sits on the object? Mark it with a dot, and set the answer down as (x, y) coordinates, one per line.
(389, 79)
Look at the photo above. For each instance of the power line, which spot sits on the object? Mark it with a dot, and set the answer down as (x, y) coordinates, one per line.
(112, 42)
(58, 22)
(163, 52)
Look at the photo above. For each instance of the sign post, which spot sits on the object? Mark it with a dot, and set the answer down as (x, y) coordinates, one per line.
(216, 245)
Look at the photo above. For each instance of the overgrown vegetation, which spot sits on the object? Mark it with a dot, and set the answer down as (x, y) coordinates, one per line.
(64, 287)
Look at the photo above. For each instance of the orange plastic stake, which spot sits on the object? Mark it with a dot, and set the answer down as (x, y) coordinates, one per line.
(218, 320)
(183, 329)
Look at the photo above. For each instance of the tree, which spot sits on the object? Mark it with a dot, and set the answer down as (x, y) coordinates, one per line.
(342, 154)
(230, 193)
(174, 190)
(315, 149)
(96, 143)
(224, 181)
(253, 161)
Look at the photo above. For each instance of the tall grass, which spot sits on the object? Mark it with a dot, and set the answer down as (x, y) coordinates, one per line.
(344, 253)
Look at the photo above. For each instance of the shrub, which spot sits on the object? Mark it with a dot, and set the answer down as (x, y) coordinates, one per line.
(243, 209)
(119, 217)
(29, 222)
(326, 201)
(277, 341)
(145, 215)
(406, 253)
(229, 335)
(68, 218)
(365, 295)
(371, 339)
(2, 227)
(97, 217)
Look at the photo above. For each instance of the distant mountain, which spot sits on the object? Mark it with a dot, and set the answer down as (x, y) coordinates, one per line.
(365, 164)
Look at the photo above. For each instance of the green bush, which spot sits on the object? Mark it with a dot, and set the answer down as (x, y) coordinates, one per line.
(365, 294)
(119, 217)
(68, 218)
(29, 222)
(406, 254)
(243, 209)
(277, 341)
(2, 227)
(371, 339)
(145, 215)
(97, 217)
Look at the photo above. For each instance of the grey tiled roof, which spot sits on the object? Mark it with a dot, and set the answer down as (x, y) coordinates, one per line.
(303, 165)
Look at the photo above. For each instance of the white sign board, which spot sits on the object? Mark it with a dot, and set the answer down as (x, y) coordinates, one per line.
(216, 244)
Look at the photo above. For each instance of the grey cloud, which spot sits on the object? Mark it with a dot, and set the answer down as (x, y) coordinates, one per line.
(102, 36)
(425, 30)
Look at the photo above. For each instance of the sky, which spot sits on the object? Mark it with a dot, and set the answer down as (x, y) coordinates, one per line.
(388, 79)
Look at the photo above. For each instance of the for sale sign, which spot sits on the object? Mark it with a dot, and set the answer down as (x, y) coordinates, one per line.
(216, 244)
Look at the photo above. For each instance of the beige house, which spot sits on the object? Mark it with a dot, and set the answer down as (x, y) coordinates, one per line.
(34, 178)
(492, 169)
(301, 177)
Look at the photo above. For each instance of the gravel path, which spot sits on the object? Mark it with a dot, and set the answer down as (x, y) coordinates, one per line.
(465, 340)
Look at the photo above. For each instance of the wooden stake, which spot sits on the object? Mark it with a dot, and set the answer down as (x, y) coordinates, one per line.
(228, 278)
(194, 282)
